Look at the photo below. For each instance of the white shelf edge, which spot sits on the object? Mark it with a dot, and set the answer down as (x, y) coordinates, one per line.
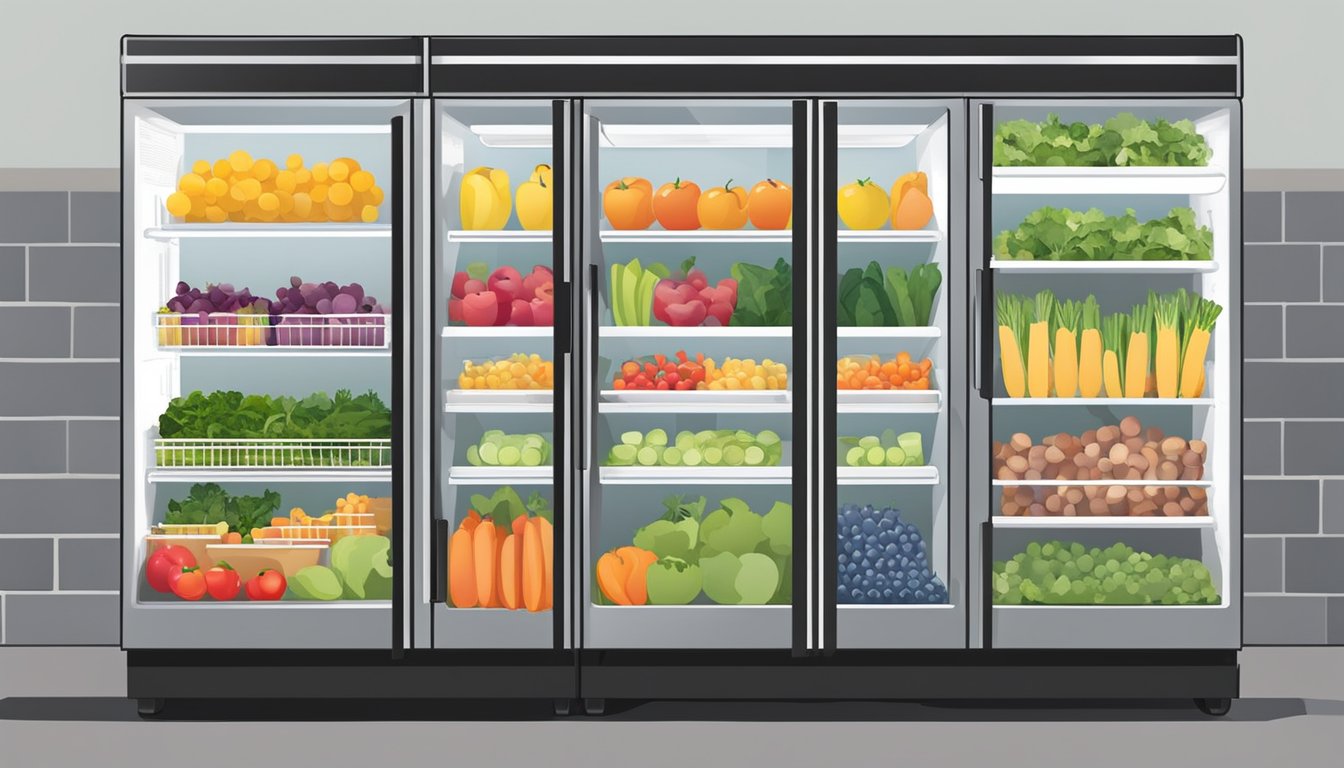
(499, 236)
(700, 332)
(1102, 267)
(1094, 607)
(263, 351)
(1059, 521)
(926, 475)
(1101, 483)
(1206, 402)
(889, 236)
(496, 332)
(487, 475)
(895, 606)
(277, 475)
(281, 229)
(1142, 180)
(498, 401)
(697, 475)
(875, 332)
(889, 401)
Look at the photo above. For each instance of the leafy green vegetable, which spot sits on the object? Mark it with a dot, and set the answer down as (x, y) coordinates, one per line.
(764, 295)
(630, 291)
(317, 582)
(777, 525)
(228, 414)
(209, 503)
(1060, 234)
(504, 505)
(1123, 140)
(362, 564)
(868, 298)
(676, 533)
(733, 527)
(672, 581)
(757, 579)
(719, 577)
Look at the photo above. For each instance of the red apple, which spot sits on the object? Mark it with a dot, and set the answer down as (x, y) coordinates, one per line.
(692, 313)
(533, 281)
(546, 292)
(543, 312)
(480, 309)
(455, 310)
(697, 278)
(472, 286)
(506, 280)
(720, 311)
(521, 313)
(460, 284)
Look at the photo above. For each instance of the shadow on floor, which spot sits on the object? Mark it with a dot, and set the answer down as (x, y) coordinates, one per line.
(123, 710)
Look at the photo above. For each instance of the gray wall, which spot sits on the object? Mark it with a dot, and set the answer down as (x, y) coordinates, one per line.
(58, 64)
(60, 267)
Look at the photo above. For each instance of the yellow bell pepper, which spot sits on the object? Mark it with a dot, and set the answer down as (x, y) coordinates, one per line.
(484, 199)
(535, 199)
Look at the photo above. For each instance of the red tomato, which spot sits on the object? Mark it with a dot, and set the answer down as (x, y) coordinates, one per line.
(187, 583)
(267, 585)
(674, 205)
(222, 581)
(163, 562)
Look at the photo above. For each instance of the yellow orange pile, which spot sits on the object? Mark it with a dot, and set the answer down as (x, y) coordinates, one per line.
(238, 188)
(518, 371)
(870, 372)
(744, 374)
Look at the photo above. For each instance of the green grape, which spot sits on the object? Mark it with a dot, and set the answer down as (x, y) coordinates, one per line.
(672, 456)
(634, 438)
(623, 455)
(691, 457)
(895, 456)
(531, 457)
(704, 436)
(656, 437)
(869, 441)
(509, 456)
(734, 456)
(854, 457)
(648, 456)
(754, 456)
(490, 453)
(473, 456)
(492, 436)
(767, 438)
(713, 455)
(876, 455)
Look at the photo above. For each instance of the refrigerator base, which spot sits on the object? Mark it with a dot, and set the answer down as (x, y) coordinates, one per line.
(158, 675)
(914, 675)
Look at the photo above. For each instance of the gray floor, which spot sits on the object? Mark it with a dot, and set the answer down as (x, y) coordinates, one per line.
(58, 706)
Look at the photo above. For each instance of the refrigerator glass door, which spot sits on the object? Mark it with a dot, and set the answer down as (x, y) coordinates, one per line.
(694, 320)
(1106, 478)
(260, 310)
(500, 314)
(892, 508)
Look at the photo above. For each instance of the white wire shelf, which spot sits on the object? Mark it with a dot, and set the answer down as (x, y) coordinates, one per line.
(1102, 267)
(887, 475)
(498, 401)
(1059, 521)
(877, 332)
(1146, 180)
(500, 236)
(270, 475)
(276, 229)
(234, 333)
(888, 401)
(695, 401)
(497, 332)
(697, 475)
(292, 455)
(468, 474)
(698, 332)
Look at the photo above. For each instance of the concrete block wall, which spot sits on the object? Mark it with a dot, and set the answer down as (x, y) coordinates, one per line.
(1294, 412)
(60, 272)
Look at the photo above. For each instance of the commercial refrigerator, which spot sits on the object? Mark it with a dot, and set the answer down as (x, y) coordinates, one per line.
(695, 363)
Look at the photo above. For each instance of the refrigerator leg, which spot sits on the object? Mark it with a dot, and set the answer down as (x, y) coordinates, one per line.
(595, 707)
(1214, 707)
(563, 707)
(148, 707)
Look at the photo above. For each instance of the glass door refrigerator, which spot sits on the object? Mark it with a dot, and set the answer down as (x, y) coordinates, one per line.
(265, 373)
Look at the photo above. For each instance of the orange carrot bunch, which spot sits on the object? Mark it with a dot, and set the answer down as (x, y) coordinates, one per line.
(870, 372)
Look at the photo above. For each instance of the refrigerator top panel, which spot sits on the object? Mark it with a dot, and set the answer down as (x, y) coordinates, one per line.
(272, 66)
(837, 66)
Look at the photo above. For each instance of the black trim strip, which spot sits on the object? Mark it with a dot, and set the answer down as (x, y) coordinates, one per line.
(560, 347)
(222, 45)
(802, 156)
(986, 286)
(439, 587)
(243, 79)
(400, 556)
(837, 45)
(987, 579)
(837, 79)
(830, 183)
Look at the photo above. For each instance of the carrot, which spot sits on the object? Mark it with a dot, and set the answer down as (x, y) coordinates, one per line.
(1136, 363)
(1089, 354)
(1192, 364)
(1065, 367)
(547, 561)
(1167, 357)
(461, 570)
(483, 551)
(1038, 346)
(533, 579)
(511, 572)
(1115, 335)
(1014, 316)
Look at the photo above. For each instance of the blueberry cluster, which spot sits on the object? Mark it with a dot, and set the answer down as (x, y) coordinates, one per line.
(883, 559)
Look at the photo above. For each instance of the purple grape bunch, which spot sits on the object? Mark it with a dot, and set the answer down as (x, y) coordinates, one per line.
(215, 298)
(302, 315)
(883, 560)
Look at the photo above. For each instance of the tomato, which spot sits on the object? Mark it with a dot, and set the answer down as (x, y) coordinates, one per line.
(187, 583)
(863, 205)
(629, 369)
(770, 205)
(222, 581)
(628, 203)
(165, 560)
(674, 205)
(267, 585)
(723, 207)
